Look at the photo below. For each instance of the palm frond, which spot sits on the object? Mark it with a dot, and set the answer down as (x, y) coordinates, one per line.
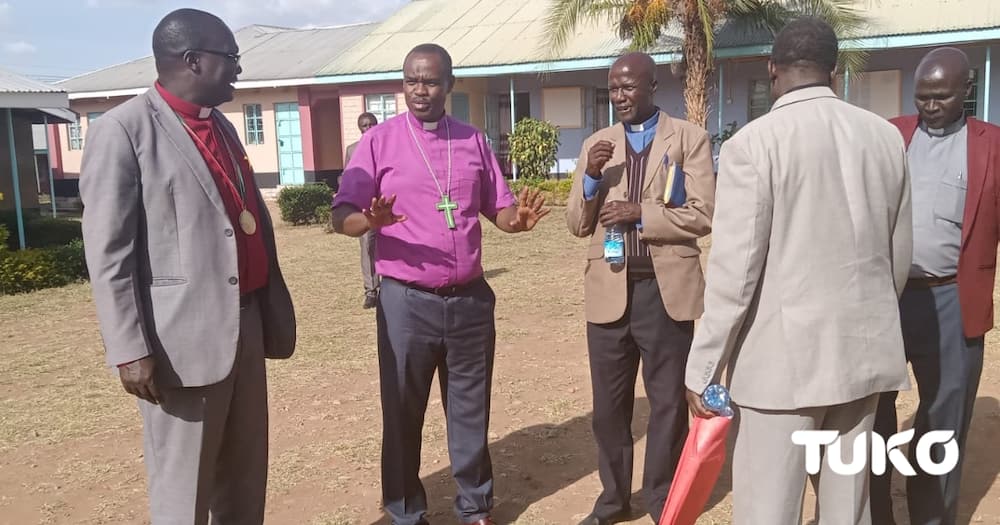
(566, 15)
(756, 16)
(843, 15)
(853, 61)
(708, 25)
(771, 15)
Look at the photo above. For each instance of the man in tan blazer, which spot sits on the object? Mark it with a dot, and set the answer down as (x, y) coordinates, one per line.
(185, 277)
(651, 177)
(811, 247)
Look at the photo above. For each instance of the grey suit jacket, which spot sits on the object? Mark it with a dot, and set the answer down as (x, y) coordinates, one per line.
(811, 247)
(161, 251)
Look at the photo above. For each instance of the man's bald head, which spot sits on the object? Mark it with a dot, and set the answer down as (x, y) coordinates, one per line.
(943, 82)
(944, 62)
(197, 58)
(631, 85)
(186, 29)
(636, 63)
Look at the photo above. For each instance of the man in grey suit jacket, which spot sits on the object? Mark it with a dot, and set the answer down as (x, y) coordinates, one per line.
(811, 247)
(185, 277)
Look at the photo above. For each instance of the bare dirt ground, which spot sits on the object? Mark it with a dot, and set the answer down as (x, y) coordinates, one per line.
(70, 448)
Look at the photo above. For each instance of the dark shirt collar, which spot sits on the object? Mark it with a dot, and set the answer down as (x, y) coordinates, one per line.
(185, 108)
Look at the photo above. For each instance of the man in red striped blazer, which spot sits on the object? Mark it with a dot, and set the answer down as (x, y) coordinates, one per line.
(947, 305)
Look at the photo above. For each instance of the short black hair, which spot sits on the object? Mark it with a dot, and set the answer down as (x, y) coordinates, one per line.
(432, 49)
(181, 30)
(367, 115)
(806, 42)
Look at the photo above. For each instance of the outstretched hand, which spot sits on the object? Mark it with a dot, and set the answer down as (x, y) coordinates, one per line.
(529, 211)
(380, 214)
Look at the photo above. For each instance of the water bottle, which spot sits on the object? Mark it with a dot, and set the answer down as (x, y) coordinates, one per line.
(716, 399)
(614, 245)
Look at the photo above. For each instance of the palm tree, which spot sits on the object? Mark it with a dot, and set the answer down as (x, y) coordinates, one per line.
(642, 22)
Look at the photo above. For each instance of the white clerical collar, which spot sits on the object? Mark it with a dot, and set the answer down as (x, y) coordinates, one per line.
(204, 113)
(430, 126)
(647, 124)
(954, 127)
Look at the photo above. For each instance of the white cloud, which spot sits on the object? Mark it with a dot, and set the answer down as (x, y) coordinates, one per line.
(97, 4)
(19, 48)
(4, 11)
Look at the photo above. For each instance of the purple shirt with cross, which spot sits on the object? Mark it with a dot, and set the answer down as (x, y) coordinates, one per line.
(425, 249)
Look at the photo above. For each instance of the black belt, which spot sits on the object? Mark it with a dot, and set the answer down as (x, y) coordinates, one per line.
(640, 267)
(922, 283)
(443, 291)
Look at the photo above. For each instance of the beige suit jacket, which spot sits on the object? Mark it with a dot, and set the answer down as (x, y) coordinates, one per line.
(810, 251)
(671, 233)
(161, 251)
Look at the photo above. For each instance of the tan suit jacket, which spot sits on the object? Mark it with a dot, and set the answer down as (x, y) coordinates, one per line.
(810, 251)
(161, 251)
(671, 233)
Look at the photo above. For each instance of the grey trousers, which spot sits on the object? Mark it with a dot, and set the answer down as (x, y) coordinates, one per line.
(947, 366)
(206, 447)
(769, 474)
(420, 333)
(368, 263)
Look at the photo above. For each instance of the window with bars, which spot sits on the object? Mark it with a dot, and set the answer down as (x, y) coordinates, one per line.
(253, 124)
(74, 136)
(604, 116)
(382, 105)
(759, 98)
(970, 104)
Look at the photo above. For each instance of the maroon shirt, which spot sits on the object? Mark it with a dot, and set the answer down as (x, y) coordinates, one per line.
(208, 136)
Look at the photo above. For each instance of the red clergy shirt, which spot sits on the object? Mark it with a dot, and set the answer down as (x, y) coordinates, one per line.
(208, 136)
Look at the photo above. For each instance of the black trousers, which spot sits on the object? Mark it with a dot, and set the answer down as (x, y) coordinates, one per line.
(420, 333)
(645, 333)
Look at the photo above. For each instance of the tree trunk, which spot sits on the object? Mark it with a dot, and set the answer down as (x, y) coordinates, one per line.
(698, 70)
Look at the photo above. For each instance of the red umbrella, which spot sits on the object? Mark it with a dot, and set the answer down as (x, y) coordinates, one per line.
(697, 471)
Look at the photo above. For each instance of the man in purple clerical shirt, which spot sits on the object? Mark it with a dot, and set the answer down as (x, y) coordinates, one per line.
(420, 180)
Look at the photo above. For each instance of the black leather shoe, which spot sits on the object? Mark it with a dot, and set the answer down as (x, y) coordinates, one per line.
(593, 519)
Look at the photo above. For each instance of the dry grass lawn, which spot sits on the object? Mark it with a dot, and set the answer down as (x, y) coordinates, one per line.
(70, 448)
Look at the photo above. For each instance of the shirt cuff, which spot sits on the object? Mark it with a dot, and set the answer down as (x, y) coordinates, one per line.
(590, 187)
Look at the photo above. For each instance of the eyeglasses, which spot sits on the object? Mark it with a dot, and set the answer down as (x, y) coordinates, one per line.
(235, 57)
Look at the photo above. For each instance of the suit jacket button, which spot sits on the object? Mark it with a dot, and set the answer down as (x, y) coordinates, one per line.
(229, 232)
(233, 280)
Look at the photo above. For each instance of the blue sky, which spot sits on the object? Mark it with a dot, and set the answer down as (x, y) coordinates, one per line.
(50, 39)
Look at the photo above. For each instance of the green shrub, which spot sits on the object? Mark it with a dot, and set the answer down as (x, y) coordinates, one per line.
(41, 232)
(27, 270)
(533, 147)
(70, 260)
(556, 192)
(4, 235)
(298, 204)
(37, 268)
(45, 232)
(323, 213)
